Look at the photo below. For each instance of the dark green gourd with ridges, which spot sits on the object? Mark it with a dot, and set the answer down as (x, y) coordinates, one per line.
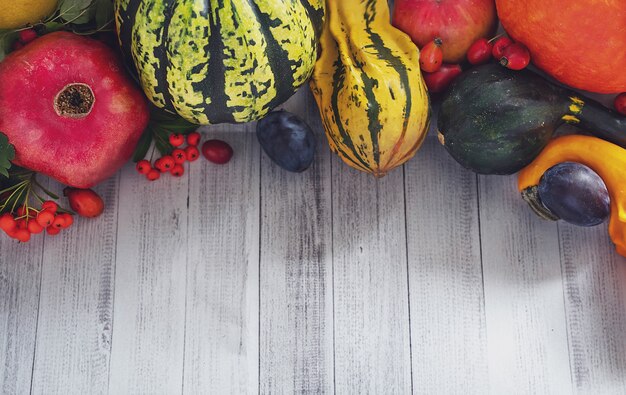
(214, 61)
(496, 121)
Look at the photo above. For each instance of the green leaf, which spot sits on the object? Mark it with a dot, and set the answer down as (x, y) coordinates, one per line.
(7, 154)
(143, 146)
(104, 14)
(77, 11)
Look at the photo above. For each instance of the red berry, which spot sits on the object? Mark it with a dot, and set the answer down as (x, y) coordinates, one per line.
(52, 231)
(68, 220)
(620, 103)
(178, 170)
(515, 57)
(45, 218)
(85, 202)
(34, 227)
(59, 222)
(179, 155)
(27, 35)
(167, 162)
(21, 211)
(479, 52)
(499, 46)
(193, 138)
(22, 235)
(431, 56)
(177, 139)
(192, 153)
(50, 206)
(153, 175)
(143, 166)
(440, 80)
(7, 223)
(217, 151)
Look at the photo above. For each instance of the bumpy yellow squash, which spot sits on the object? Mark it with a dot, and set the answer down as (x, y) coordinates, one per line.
(368, 87)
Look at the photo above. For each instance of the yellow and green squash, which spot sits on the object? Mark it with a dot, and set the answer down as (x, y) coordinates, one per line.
(369, 88)
(214, 61)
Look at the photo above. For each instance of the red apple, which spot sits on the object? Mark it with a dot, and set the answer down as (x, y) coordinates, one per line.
(457, 22)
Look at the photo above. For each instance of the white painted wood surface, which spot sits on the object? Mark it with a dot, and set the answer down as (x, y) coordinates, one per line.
(247, 279)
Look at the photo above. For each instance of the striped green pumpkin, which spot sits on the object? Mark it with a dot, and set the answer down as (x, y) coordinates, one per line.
(368, 87)
(214, 61)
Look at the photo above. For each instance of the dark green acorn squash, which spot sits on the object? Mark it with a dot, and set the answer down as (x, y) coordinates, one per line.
(496, 121)
(214, 61)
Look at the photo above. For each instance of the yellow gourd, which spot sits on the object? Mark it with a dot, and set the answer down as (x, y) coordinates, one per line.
(19, 13)
(606, 159)
(369, 88)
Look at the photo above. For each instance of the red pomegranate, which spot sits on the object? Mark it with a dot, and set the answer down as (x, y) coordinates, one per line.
(581, 43)
(69, 109)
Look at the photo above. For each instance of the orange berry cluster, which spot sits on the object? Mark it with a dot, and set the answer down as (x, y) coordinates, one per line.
(28, 221)
(173, 162)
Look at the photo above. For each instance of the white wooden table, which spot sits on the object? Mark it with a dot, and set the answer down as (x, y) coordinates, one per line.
(246, 278)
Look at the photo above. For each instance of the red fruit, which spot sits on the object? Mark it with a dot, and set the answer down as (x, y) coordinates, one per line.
(50, 206)
(177, 139)
(193, 138)
(59, 222)
(45, 218)
(431, 56)
(178, 170)
(52, 231)
(180, 156)
(7, 223)
(479, 52)
(143, 166)
(22, 235)
(166, 164)
(27, 35)
(457, 22)
(515, 57)
(440, 80)
(84, 202)
(217, 151)
(70, 110)
(499, 46)
(153, 175)
(192, 153)
(20, 212)
(34, 227)
(620, 103)
(68, 220)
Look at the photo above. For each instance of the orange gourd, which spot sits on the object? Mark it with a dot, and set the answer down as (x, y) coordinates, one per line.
(581, 43)
(606, 159)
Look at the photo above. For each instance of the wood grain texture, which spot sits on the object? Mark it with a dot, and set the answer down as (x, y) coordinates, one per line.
(448, 337)
(150, 278)
(371, 315)
(524, 304)
(222, 319)
(20, 280)
(76, 303)
(296, 270)
(595, 290)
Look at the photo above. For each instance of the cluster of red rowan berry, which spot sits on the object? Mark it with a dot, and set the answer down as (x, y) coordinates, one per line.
(173, 162)
(28, 221)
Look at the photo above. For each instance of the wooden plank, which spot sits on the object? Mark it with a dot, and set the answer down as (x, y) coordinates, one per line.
(75, 313)
(595, 290)
(20, 281)
(448, 338)
(371, 312)
(296, 262)
(524, 304)
(222, 320)
(150, 277)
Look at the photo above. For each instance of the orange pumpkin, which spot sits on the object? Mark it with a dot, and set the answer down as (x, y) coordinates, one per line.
(581, 43)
